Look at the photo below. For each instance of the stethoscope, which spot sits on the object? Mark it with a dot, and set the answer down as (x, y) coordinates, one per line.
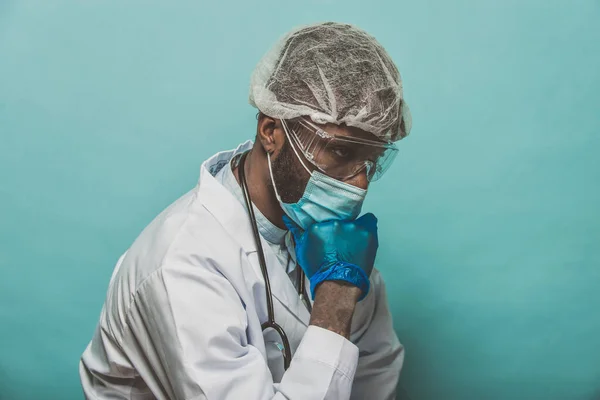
(300, 277)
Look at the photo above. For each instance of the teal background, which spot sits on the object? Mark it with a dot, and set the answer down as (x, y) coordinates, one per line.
(489, 219)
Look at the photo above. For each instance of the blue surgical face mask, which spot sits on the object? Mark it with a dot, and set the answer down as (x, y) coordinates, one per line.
(324, 198)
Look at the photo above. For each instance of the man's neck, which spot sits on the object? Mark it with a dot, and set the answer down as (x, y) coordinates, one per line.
(259, 186)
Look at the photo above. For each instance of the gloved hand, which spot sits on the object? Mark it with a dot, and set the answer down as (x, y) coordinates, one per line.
(337, 250)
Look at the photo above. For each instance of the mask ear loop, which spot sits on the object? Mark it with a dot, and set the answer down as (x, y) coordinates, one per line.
(288, 135)
(273, 179)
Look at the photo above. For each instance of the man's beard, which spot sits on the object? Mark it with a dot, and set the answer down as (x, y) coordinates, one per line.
(289, 175)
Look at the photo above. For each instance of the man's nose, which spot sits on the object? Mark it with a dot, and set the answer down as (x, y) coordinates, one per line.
(359, 180)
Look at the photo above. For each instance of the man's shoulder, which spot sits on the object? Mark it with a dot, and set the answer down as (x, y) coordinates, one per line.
(184, 227)
(183, 233)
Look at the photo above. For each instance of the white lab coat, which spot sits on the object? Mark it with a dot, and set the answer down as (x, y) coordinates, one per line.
(183, 313)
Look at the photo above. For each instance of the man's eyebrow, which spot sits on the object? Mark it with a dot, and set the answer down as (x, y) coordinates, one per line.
(346, 131)
(359, 133)
(370, 136)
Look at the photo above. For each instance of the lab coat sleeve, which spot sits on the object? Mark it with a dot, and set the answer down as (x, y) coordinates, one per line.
(187, 326)
(381, 355)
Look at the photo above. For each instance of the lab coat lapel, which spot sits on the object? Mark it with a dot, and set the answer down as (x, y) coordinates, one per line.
(287, 293)
(234, 218)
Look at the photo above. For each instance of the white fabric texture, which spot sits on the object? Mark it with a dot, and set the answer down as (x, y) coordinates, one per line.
(183, 312)
(333, 73)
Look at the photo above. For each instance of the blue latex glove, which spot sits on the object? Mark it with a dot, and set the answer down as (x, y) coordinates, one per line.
(337, 250)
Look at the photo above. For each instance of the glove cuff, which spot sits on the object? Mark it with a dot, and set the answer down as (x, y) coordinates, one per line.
(342, 271)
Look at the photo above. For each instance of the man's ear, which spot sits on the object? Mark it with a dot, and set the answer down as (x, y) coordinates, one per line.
(270, 133)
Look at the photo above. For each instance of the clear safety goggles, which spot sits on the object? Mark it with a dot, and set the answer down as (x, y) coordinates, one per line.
(338, 156)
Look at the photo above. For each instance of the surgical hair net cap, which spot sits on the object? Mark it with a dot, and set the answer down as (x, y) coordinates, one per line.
(332, 73)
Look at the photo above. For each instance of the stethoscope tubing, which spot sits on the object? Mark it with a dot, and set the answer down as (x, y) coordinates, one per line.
(270, 323)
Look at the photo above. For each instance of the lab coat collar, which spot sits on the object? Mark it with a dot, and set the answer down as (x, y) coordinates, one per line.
(234, 218)
(221, 203)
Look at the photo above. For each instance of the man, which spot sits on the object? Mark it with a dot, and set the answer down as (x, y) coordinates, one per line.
(209, 302)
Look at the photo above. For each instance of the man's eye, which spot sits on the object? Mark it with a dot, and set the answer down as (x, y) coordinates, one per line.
(342, 152)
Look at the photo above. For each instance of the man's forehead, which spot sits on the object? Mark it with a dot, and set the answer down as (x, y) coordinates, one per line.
(351, 131)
